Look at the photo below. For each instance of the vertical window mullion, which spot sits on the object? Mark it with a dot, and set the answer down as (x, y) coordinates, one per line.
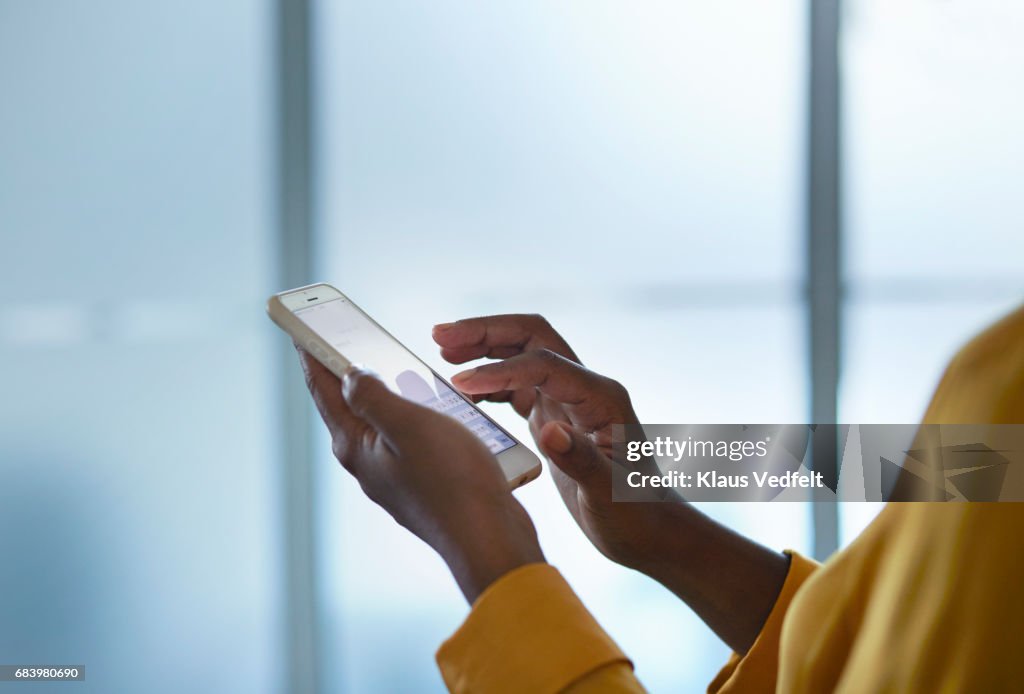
(294, 258)
(823, 227)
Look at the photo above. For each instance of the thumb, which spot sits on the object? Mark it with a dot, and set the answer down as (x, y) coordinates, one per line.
(390, 414)
(576, 456)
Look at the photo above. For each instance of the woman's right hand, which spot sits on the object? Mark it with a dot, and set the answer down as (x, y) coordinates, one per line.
(725, 578)
(571, 411)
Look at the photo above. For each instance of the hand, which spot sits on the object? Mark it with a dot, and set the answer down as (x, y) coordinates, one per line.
(725, 578)
(571, 411)
(429, 472)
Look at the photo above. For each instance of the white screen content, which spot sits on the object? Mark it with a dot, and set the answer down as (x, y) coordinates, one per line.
(359, 340)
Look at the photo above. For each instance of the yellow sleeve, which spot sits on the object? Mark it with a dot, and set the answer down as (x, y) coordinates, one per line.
(528, 632)
(758, 670)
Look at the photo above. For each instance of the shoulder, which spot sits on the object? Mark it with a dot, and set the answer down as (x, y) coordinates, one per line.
(984, 383)
(1001, 344)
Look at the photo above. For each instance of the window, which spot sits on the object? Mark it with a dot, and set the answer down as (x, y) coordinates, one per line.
(635, 172)
(631, 173)
(138, 496)
(934, 228)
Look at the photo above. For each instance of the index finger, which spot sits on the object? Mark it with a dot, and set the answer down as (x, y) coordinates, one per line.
(560, 379)
(498, 337)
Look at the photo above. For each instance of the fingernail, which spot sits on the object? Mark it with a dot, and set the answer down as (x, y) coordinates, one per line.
(464, 375)
(441, 327)
(559, 440)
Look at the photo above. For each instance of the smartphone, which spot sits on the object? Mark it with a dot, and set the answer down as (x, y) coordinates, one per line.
(337, 332)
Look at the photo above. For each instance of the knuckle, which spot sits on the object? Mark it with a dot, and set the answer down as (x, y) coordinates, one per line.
(360, 389)
(539, 322)
(342, 450)
(495, 373)
(339, 449)
(546, 355)
(616, 389)
(356, 385)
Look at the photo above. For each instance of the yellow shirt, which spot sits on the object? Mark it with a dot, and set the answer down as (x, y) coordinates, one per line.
(927, 599)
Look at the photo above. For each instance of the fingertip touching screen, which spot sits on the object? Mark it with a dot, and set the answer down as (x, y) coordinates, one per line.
(357, 338)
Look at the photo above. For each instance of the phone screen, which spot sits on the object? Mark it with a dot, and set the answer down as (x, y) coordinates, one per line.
(362, 342)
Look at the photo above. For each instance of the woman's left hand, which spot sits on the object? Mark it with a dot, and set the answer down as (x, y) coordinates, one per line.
(429, 472)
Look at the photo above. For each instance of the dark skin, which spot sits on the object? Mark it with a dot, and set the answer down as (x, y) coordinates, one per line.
(462, 507)
(429, 472)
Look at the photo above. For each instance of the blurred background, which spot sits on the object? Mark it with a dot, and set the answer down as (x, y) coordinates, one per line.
(745, 212)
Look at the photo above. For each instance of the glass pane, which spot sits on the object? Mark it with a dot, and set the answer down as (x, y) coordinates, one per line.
(934, 225)
(138, 489)
(933, 107)
(894, 354)
(583, 161)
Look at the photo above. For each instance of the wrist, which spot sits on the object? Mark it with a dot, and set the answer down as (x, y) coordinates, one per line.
(497, 540)
(664, 540)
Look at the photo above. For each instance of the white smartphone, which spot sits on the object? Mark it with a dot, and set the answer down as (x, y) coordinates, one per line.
(337, 332)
